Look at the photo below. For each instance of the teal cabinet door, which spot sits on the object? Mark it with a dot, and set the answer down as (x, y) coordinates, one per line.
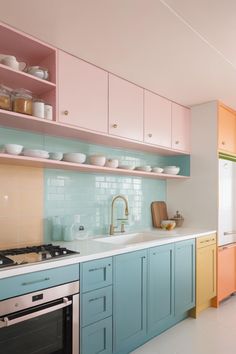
(97, 338)
(129, 301)
(184, 276)
(160, 288)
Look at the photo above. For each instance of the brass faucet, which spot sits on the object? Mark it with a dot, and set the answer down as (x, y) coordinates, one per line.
(112, 227)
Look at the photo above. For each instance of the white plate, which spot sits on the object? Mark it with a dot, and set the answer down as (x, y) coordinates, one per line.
(42, 154)
(127, 167)
(144, 168)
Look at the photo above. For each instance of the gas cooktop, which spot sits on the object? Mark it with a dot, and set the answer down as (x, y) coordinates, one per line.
(17, 256)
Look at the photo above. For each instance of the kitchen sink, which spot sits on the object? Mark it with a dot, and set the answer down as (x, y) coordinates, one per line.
(128, 239)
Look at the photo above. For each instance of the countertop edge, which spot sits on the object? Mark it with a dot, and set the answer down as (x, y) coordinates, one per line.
(107, 251)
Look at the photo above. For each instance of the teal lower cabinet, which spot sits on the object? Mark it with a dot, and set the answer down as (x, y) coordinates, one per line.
(97, 338)
(184, 276)
(129, 301)
(160, 289)
(147, 292)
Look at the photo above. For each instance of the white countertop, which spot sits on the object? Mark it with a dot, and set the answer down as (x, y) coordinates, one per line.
(91, 249)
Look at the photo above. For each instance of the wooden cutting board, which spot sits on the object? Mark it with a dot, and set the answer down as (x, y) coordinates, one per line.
(159, 213)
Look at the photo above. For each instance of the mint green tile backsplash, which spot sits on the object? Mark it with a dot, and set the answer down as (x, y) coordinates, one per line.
(70, 193)
(90, 196)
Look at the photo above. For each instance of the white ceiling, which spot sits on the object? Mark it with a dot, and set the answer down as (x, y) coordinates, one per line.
(181, 49)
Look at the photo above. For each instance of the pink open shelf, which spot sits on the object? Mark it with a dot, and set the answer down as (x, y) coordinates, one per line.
(18, 79)
(27, 49)
(45, 163)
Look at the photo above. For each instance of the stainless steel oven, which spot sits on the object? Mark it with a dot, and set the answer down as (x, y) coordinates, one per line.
(43, 322)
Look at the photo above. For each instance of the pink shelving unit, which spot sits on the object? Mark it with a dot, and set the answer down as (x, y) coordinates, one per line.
(34, 53)
(16, 79)
(45, 163)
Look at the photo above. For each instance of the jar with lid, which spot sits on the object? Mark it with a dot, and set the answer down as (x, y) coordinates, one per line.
(38, 108)
(5, 98)
(22, 101)
(48, 111)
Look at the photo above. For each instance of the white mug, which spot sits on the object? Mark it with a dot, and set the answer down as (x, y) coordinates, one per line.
(38, 72)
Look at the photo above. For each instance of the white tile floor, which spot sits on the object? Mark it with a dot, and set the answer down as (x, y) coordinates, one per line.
(214, 332)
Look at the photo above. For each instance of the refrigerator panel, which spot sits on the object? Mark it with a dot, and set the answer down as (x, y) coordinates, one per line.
(227, 202)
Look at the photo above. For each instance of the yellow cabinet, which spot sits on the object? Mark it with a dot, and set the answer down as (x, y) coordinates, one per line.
(226, 130)
(205, 273)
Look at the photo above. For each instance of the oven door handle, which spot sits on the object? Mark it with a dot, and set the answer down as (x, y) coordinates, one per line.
(5, 322)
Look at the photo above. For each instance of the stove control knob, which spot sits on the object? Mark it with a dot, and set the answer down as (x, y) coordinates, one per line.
(57, 253)
(64, 252)
(1, 261)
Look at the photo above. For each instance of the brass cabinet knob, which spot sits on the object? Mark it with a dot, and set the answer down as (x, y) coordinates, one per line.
(66, 113)
(177, 142)
(149, 135)
(223, 143)
(114, 125)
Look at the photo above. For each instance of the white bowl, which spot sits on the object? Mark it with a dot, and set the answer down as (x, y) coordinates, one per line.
(13, 149)
(112, 163)
(97, 160)
(41, 154)
(171, 170)
(157, 169)
(146, 168)
(168, 224)
(56, 156)
(127, 167)
(76, 157)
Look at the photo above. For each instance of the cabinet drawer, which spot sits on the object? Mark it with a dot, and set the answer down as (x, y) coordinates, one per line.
(30, 282)
(97, 338)
(206, 241)
(96, 274)
(96, 305)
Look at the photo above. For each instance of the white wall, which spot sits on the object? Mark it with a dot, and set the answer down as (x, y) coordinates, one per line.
(197, 198)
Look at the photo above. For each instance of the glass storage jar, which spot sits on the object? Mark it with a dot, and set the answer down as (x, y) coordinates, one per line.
(5, 98)
(48, 111)
(38, 108)
(22, 101)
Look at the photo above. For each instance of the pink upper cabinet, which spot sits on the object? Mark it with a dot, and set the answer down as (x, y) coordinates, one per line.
(157, 120)
(83, 94)
(180, 128)
(125, 109)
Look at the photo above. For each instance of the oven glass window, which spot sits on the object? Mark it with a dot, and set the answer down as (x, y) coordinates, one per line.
(45, 334)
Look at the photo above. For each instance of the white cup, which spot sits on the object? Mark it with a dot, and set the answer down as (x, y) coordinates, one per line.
(38, 72)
